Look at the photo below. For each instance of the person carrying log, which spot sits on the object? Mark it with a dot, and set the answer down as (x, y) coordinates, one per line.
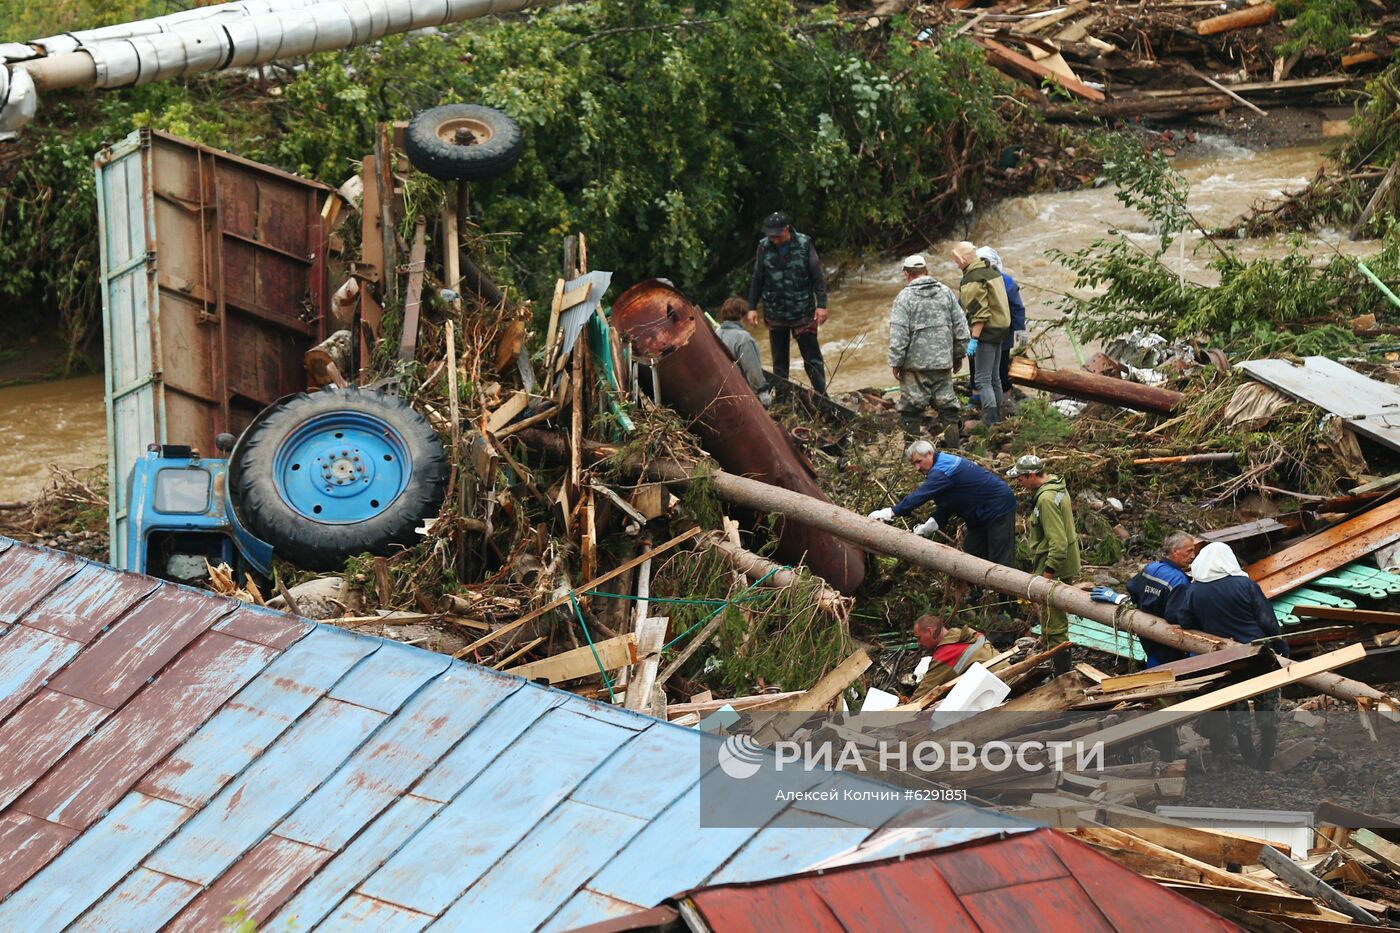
(989, 321)
(1222, 600)
(787, 278)
(928, 340)
(1160, 588)
(951, 651)
(980, 498)
(1054, 544)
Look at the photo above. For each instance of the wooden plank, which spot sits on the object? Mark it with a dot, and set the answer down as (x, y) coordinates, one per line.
(1327, 550)
(552, 331)
(580, 662)
(575, 296)
(121, 661)
(413, 297)
(1213, 846)
(1173, 688)
(651, 636)
(1038, 22)
(488, 818)
(1091, 672)
(1368, 842)
(1316, 924)
(1239, 19)
(506, 412)
(1133, 681)
(591, 584)
(1172, 715)
(93, 862)
(91, 779)
(262, 711)
(1354, 616)
(1118, 840)
(1304, 882)
(1005, 58)
(824, 691)
(1210, 895)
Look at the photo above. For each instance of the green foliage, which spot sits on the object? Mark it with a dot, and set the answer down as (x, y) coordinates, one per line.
(21, 20)
(665, 130)
(1327, 24)
(1289, 304)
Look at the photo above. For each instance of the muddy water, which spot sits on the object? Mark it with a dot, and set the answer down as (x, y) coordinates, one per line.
(1224, 183)
(49, 423)
(62, 422)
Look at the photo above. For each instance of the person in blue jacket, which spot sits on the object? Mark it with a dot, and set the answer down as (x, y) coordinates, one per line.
(1018, 333)
(1160, 588)
(980, 498)
(1222, 600)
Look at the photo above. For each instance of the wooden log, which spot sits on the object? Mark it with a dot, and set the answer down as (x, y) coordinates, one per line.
(896, 542)
(1177, 105)
(1082, 385)
(1239, 19)
(826, 690)
(759, 568)
(1186, 458)
(413, 298)
(1018, 65)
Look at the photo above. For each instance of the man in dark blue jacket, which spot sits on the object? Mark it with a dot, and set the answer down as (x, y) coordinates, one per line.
(980, 498)
(1159, 588)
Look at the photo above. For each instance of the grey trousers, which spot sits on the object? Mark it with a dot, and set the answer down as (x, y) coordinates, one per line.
(988, 379)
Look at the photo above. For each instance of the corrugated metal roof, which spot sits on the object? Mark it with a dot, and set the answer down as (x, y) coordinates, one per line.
(167, 754)
(1030, 881)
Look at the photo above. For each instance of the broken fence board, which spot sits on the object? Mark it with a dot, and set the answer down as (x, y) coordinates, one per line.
(824, 691)
(1218, 699)
(1368, 842)
(580, 662)
(1146, 678)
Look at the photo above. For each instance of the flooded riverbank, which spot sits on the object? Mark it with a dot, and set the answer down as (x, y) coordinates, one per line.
(45, 423)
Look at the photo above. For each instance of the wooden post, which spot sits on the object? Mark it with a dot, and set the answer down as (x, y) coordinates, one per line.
(1079, 384)
(1240, 19)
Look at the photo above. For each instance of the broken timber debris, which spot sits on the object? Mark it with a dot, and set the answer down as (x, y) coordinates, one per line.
(1088, 386)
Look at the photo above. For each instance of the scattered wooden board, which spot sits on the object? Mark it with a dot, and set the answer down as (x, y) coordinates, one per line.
(824, 691)
(580, 662)
(1133, 681)
(1373, 845)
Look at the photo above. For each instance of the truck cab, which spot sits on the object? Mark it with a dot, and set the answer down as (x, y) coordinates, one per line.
(179, 517)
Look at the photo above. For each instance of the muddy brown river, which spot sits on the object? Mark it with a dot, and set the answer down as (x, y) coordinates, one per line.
(63, 422)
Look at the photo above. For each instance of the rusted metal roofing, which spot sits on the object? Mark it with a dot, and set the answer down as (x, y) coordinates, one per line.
(1032, 881)
(167, 754)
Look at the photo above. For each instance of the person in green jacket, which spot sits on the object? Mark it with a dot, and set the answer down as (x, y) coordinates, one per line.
(1054, 543)
(989, 319)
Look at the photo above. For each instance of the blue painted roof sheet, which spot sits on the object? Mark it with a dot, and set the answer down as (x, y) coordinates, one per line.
(168, 756)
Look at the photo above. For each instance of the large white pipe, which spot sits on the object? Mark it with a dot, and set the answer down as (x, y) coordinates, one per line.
(240, 39)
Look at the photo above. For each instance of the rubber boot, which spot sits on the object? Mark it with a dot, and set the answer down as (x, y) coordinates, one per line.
(1268, 741)
(952, 427)
(1061, 663)
(912, 423)
(1244, 738)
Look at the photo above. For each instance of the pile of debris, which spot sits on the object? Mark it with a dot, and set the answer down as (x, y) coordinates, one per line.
(1163, 60)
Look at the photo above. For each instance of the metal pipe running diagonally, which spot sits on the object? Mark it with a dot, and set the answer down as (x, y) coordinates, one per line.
(886, 539)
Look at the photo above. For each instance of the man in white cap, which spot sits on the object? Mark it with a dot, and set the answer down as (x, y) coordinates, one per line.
(928, 341)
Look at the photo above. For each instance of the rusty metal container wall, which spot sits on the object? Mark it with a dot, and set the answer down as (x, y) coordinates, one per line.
(214, 285)
(700, 380)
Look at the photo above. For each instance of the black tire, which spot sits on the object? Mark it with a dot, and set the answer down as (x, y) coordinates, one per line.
(302, 539)
(432, 150)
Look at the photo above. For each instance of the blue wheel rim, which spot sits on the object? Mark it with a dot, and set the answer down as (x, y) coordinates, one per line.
(342, 468)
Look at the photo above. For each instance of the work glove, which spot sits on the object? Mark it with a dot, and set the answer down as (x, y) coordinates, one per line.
(927, 529)
(1102, 594)
(882, 515)
(972, 347)
(1021, 338)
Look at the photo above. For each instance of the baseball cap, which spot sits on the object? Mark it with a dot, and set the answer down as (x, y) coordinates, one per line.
(1029, 463)
(775, 223)
(915, 261)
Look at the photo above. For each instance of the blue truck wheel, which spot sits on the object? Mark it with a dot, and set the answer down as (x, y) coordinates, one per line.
(326, 475)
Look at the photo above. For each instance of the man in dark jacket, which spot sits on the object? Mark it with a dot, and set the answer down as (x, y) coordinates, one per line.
(788, 280)
(1159, 588)
(981, 499)
(1222, 600)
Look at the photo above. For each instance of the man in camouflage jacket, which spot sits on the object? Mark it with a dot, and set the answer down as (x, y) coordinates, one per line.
(928, 340)
(787, 278)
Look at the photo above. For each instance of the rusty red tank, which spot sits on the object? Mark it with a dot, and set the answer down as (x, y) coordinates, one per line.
(700, 380)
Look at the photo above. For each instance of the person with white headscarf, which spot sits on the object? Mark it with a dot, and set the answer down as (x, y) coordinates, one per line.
(1224, 601)
(1017, 335)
